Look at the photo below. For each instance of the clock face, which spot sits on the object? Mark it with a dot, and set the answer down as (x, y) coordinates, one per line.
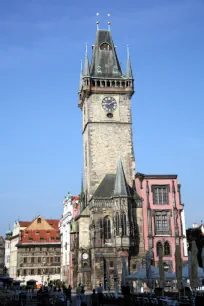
(85, 256)
(109, 104)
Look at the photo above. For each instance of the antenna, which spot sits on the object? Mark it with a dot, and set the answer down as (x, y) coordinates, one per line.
(97, 22)
(109, 23)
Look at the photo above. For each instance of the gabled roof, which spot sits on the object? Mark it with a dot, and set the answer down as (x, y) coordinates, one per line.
(107, 60)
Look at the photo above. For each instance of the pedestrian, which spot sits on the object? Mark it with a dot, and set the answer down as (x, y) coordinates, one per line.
(69, 294)
(83, 298)
(78, 295)
(100, 294)
(94, 298)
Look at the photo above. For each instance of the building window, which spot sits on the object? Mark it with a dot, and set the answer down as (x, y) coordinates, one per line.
(159, 246)
(167, 249)
(25, 260)
(39, 220)
(39, 271)
(162, 224)
(124, 225)
(117, 224)
(32, 271)
(39, 259)
(105, 46)
(107, 228)
(32, 259)
(160, 195)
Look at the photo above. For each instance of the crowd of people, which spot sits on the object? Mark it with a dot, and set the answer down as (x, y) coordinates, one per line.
(95, 299)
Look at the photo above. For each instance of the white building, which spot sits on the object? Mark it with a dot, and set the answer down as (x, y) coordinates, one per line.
(17, 227)
(7, 250)
(64, 226)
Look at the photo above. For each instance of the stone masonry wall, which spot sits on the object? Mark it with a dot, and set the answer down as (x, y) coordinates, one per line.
(104, 139)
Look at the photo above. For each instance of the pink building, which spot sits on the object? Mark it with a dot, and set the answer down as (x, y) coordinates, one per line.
(163, 216)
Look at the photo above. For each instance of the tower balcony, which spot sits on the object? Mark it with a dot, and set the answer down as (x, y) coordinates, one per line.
(99, 85)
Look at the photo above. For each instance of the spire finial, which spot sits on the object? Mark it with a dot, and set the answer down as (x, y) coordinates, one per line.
(81, 66)
(86, 47)
(97, 22)
(109, 23)
(128, 51)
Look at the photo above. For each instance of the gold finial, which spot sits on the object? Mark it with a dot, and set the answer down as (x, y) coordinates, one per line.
(97, 22)
(109, 23)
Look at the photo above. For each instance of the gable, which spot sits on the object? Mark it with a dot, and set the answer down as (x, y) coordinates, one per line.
(40, 224)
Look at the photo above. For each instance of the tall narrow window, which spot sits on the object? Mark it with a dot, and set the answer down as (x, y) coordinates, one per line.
(167, 250)
(160, 195)
(159, 246)
(117, 224)
(124, 225)
(107, 228)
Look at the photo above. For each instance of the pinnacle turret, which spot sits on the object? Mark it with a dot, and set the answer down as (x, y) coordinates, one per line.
(121, 187)
(129, 74)
(86, 63)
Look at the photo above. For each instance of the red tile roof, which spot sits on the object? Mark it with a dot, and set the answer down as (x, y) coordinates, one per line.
(24, 223)
(54, 223)
(75, 198)
(39, 236)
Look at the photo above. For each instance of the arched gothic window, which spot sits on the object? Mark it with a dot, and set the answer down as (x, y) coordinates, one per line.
(124, 225)
(39, 220)
(117, 224)
(107, 228)
(159, 246)
(167, 249)
(105, 46)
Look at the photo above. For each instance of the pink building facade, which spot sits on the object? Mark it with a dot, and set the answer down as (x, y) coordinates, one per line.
(163, 216)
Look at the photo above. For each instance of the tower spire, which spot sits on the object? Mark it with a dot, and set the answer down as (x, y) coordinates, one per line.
(86, 63)
(81, 77)
(129, 74)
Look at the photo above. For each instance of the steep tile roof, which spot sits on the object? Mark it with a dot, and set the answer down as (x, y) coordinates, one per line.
(39, 236)
(24, 223)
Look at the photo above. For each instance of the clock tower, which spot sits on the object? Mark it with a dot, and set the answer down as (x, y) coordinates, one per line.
(110, 220)
(105, 100)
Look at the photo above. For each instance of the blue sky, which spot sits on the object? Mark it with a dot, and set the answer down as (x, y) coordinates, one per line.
(41, 45)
